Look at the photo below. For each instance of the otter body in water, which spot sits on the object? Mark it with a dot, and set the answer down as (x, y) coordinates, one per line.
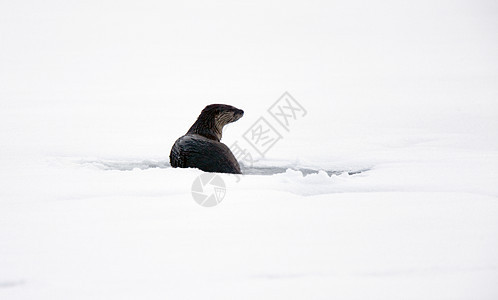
(201, 148)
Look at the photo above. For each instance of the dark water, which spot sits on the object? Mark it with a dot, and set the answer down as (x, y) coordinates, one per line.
(125, 165)
(268, 170)
(305, 171)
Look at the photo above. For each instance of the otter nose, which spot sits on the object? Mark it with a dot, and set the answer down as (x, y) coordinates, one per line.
(240, 112)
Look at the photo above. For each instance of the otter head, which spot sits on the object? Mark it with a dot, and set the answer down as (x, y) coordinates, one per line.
(212, 119)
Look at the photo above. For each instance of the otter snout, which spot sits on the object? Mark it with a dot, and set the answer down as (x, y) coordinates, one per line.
(237, 114)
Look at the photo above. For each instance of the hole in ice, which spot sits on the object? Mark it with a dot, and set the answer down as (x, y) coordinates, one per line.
(11, 283)
(306, 171)
(253, 170)
(118, 165)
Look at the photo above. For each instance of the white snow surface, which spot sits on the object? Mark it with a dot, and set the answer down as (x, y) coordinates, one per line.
(386, 189)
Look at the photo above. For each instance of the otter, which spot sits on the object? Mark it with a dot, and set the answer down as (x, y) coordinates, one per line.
(201, 146)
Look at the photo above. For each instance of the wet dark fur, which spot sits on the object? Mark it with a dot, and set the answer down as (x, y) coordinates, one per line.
(201, 148)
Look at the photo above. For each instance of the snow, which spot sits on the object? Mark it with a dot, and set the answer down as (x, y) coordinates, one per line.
(385, 189)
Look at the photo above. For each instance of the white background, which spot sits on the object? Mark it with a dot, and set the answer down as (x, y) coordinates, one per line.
(407, 90)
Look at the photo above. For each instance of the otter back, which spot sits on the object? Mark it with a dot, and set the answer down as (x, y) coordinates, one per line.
(195, 151)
